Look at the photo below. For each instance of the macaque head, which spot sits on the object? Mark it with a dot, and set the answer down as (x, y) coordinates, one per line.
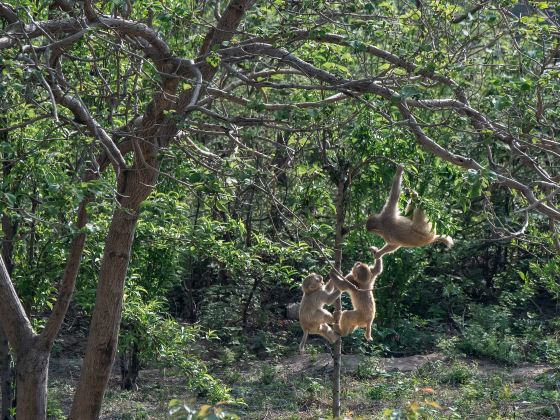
(312, 282)
(361, 272)
(373, 223)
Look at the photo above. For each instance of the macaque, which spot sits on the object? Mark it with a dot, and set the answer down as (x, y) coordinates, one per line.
(399, 231)
(312, 317)
(359, 285)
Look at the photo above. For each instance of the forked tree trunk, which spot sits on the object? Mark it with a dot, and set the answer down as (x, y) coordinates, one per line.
(105, 323)
(135, 184)
(31, 381)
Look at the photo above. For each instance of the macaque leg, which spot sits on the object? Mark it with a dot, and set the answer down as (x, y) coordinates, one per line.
(348, 322)
(328, 333)
(419, 217)
(336, 316)
(387, 249)
(325, 317)
(303, 341)
(393, 200)
(420, 222)
(367, 334)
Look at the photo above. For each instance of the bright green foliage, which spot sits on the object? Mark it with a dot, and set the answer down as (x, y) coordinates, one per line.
(245, 207)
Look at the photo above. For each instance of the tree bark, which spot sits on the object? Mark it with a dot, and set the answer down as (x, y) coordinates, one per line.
(105, 323)
(134, 185)
(6, 377)
(130, 367)
(31, 380)
(9, 229)
(6, 371)
(342, 187)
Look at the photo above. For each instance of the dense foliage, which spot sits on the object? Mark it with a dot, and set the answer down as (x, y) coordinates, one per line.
(307, 96)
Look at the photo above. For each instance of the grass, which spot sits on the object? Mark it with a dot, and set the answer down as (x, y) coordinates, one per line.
(299, 387)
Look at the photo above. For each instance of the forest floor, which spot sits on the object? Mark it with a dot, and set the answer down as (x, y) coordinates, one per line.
(299, 387)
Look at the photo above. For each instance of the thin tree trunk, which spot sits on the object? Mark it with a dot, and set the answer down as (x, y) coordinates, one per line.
(249, 299)
(105, 323)
(343, 183)
(249, 219)
(130, 367)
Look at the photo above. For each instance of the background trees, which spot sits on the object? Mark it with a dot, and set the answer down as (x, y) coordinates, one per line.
(245, 118)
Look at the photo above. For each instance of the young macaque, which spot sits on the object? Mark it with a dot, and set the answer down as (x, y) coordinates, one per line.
(359, 285)
(312, 317)
(399, 231)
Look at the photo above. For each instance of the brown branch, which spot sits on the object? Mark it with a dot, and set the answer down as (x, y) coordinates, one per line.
(8, 13)
(15, 323)
(469, 163)
(68, 282)
(275, 107)
(460, 18)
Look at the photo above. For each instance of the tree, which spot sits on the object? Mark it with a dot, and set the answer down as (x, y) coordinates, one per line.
(262, 70)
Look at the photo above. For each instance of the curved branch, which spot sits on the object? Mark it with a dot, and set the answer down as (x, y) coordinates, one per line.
(430, 145)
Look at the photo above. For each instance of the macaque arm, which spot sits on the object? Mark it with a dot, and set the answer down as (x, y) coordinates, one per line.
(392, 202)
(387, 249)
(326, 297)
(377, 268)
(420, 222)
(341, 283)
(332, 296)
(330, 286)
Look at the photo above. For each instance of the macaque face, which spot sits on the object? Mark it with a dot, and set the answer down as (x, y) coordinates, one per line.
(361, 272)
(312, 282)
(373, 223)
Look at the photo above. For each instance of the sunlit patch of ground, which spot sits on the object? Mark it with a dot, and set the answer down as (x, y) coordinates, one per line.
(299, 387)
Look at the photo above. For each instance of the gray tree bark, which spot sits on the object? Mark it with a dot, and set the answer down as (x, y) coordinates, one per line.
(6, 377)
(341, 198)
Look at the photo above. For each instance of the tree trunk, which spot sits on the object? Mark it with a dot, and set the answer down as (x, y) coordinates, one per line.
(245, 319)
(105, 323)
(9, 229)
(130, 367)
(6, 377)
(343, 183)
(31, 380)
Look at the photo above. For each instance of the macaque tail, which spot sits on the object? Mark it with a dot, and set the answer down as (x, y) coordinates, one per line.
(447, 240)
(302, 343)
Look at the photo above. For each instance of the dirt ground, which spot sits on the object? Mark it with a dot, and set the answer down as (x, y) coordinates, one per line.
(298, 386)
